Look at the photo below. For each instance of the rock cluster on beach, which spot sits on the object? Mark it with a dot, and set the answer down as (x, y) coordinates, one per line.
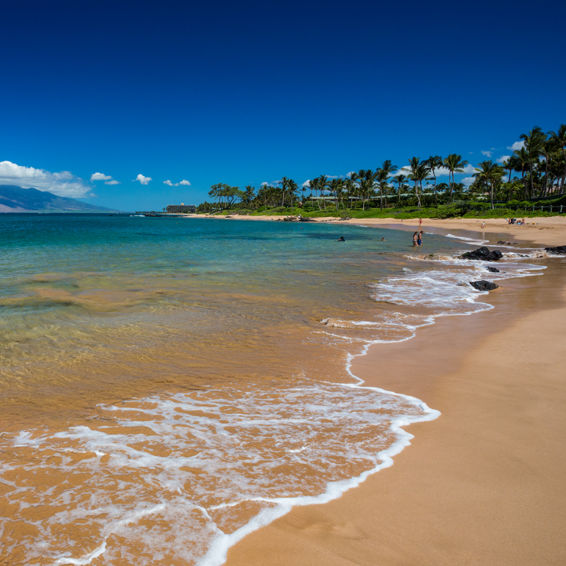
(483, 254)
(556, 250)
(483, 285)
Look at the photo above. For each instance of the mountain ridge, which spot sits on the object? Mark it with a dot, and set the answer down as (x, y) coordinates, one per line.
(17, 199)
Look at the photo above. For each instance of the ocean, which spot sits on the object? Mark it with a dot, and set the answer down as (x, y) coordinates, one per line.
(168, 385)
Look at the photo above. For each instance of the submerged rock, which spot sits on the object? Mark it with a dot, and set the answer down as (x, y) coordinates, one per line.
(483, 254)
(483, 285)
(556, 250)
(492, 269)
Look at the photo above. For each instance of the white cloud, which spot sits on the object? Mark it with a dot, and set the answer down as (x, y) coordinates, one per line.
(143, 179)
(405, 170)
(100, 177)
(171, 184)
(62, 183)
(307, 184)
(487, 153)
(108, 180)
(441, 171)
(468, 181)
(503, 158)
(517, 145)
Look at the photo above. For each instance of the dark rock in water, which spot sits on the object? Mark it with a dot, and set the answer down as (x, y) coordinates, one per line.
(483, 254)
(492, 269)
(483, 285)
(504, 243)
(556, 250)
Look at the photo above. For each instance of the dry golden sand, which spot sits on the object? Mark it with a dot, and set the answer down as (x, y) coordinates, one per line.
(483, 484)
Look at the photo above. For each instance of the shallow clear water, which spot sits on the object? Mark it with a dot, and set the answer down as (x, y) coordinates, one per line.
(168, 384)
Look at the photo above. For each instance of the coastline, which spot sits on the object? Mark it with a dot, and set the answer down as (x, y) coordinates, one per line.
(541, 230)
(480, 485)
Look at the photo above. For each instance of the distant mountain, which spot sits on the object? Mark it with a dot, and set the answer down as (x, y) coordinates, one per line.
(16, 199)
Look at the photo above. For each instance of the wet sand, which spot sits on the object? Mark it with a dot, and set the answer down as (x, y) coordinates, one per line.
(484, 483)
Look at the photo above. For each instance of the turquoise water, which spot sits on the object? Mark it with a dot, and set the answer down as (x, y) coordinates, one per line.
(167, 382)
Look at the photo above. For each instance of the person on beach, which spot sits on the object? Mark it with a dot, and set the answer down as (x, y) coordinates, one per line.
(415, 239)
(420, 239)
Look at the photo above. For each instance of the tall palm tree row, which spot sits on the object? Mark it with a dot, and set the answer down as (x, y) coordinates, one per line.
(536, 169)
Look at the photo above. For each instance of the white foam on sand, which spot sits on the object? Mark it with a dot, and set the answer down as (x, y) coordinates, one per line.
(471, 241)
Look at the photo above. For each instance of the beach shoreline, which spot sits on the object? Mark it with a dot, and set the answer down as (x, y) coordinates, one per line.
(541, 230)
(474, 487)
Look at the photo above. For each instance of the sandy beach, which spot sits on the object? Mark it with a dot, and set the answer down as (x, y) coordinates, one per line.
(483, 484)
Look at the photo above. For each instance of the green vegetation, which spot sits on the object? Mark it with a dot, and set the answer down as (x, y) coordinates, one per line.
(530, 182)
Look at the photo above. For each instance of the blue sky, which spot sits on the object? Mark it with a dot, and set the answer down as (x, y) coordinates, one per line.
(246, 92)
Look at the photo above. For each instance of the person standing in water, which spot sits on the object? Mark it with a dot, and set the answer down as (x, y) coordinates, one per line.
(415, 239)
(420, 238)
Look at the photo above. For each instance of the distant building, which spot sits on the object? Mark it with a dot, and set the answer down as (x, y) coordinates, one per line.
(181, 208)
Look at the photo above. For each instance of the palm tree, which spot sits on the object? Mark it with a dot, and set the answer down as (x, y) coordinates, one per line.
(401, 185)
(318, 184)
(366, 179)
(454, 164)
(248, 195)
(382, 175)
(534, 146)
(336, 187)
(509, 165)
(490, 174)
(283, 184)
(559, 140)
(434, 162)
(292, 190)
(304, 187)
(352, 186)
(419, 172)
(521, 162)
